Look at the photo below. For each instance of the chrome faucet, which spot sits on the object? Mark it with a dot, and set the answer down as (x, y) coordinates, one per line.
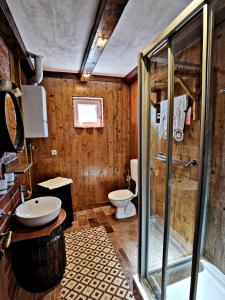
(22, 192)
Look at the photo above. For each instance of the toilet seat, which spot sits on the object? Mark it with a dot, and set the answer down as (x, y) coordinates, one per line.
(122, 199)
(121, 195)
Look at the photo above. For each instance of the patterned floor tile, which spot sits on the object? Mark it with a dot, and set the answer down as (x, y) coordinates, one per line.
(93, 271)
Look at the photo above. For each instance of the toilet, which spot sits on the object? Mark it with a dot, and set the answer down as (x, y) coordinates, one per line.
(121, 199)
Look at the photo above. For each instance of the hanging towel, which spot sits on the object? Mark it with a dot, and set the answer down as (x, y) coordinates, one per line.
(163, 119)
(179, 114)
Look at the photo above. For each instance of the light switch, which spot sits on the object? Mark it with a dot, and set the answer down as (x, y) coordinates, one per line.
(54, 152)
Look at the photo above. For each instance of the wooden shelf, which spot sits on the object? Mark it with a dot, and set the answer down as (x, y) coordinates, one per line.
(21, 232)
(180, 72)
(18, 168)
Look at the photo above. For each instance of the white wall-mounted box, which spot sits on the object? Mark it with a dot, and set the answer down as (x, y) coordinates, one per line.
(34, 111)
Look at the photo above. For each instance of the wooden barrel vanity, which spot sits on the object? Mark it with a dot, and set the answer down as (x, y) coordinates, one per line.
(38, 255)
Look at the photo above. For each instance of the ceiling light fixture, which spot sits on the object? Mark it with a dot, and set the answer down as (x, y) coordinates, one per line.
(101, 42)
(86, 75)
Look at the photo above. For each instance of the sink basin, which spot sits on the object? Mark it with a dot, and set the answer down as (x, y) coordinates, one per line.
(38, 211)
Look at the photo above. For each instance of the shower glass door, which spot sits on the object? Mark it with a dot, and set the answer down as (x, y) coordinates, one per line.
(187, 55)
(158, 146)
(175, 71)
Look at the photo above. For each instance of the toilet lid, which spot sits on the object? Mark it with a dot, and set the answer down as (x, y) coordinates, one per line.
(120, 195)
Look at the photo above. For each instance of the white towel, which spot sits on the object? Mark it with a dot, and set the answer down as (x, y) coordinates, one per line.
(55, 182)
(179, 114)
(163, 119)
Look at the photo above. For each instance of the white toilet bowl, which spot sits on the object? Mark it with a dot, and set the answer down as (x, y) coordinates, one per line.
(121, 199)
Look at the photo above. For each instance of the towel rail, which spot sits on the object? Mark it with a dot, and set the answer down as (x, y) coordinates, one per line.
(176, 161)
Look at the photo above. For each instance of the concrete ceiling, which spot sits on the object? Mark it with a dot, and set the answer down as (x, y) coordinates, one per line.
(59, 31)
(56, 29)
(142, 21)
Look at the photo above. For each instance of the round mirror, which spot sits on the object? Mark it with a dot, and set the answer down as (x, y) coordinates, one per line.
(11, 124)
(10, 116)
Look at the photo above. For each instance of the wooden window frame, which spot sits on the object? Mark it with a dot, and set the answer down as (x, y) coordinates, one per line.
(89, 101)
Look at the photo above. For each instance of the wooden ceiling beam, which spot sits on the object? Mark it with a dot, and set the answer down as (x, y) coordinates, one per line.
(12, 38)
(107, 17)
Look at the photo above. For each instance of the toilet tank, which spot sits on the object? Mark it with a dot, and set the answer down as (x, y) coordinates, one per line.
(134, 169)
(34, 111)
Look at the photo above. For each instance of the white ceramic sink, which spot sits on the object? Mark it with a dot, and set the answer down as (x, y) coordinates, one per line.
(38, 211)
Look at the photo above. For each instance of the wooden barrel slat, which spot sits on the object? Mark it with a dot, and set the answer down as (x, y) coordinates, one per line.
(39, 263)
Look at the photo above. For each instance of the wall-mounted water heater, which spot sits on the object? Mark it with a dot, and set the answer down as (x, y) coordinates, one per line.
(34, 111)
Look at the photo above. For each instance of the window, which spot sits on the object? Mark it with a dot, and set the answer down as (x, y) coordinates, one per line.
(88, 112)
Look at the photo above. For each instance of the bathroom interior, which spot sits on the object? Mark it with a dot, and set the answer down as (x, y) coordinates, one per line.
(112, 147)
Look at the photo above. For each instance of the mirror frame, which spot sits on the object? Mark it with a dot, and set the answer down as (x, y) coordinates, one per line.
(6, 144)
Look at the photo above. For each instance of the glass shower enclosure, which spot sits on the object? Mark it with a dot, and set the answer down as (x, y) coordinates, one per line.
(182, 157)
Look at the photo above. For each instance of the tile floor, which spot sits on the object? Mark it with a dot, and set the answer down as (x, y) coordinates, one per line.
(178, 247)
(93, 270)
(122, 233)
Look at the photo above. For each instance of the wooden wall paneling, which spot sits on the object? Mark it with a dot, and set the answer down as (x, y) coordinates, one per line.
(111, 138)
(47, 146)
(115, 138)
(120, 114)
(103, 156)
(62, 133)
(215, 221)
(95, 159)
(110, 142)
(126, 125)
(71, 148)
(59, 105)
(54, 129)
(134, 121)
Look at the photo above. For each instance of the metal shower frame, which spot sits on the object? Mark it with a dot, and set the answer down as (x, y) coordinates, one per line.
(144, 121)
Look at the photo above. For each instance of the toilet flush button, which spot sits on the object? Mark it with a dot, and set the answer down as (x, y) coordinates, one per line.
(54, 152)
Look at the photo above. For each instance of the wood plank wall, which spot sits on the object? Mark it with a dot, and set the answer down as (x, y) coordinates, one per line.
(96, 159)
(134, 119)
(215, 222)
